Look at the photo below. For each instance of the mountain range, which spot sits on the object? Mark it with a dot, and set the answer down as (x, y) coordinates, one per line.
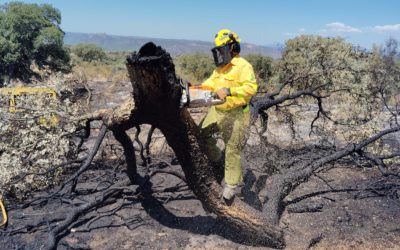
(173, 46)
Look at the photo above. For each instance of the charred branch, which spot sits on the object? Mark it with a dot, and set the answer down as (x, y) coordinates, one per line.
(129, 151)
(305, 208)
(283, 183)
(52, 243)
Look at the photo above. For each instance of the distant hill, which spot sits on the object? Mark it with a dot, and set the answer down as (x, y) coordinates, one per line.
(173, 46)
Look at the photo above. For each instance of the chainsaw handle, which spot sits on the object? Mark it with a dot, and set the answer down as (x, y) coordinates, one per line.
(215, 96)
(187, 85)
(184, 83)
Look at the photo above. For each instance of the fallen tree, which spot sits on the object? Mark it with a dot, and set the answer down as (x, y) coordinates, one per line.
(157, 93)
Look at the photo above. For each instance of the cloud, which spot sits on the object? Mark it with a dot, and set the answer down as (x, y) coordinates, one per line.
(341, 27)
(385, 28)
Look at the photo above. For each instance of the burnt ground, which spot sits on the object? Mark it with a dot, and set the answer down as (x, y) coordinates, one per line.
(356, 213)
(358, 209)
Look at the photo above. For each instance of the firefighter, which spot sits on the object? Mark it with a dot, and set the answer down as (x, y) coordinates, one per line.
(234, 81)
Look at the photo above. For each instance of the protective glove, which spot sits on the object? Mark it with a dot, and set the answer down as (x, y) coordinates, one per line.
(222, 93)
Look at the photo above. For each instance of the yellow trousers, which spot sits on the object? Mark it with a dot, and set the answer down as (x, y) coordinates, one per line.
(232, 124)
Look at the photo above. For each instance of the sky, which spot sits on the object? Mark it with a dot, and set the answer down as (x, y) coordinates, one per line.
(262, 22)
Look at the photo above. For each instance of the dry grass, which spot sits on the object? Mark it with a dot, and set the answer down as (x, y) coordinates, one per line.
(96, 71)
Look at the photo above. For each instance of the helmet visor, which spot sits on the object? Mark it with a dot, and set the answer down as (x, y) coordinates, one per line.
(222, 55)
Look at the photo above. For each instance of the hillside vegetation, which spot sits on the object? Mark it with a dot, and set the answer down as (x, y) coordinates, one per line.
(91, 63)
(174, 46)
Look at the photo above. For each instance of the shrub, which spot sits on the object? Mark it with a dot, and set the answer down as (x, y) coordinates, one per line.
(89, 52)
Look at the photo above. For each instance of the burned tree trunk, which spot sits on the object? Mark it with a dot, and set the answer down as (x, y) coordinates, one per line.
(157, 93)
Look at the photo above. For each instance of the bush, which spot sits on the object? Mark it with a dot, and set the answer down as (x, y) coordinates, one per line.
(262, 66)
(194, 67)
(89, 52)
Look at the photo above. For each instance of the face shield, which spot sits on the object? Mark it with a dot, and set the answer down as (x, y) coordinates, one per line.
(222, 54)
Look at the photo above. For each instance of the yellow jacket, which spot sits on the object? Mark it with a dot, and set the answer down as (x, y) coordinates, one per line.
(239, 77)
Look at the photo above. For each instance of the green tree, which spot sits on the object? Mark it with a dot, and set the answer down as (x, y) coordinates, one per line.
(89, 52)
(30, 33)
(262, 66)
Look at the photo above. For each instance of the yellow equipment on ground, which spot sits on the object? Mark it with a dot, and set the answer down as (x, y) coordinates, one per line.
(4, 212)
(19, 91)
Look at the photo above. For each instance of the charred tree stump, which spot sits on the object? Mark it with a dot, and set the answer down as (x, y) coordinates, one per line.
(157, 93)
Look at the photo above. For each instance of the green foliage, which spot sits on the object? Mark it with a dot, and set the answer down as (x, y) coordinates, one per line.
(194, 67)
(30, 33)
(89, 52)
(310, 61)
(332, 63)
(118, 59)
(337, 71)
(198, 67)
(110, 69)
(348, 83)
(262, 66)
(385, 71)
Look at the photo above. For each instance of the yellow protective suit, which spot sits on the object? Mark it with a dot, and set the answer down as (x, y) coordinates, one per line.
(232, 117)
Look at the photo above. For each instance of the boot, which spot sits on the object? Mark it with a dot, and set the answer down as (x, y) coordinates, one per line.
(229, 192)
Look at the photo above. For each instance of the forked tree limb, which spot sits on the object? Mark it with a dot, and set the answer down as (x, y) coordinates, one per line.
(280, 185)
(89, 158)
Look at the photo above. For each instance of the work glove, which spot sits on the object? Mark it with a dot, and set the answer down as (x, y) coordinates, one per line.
(222, 93)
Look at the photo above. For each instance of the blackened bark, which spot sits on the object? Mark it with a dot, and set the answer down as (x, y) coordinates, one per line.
(129, 151)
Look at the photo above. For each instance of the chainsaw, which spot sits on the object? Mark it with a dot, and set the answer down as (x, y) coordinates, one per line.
(198, 96)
